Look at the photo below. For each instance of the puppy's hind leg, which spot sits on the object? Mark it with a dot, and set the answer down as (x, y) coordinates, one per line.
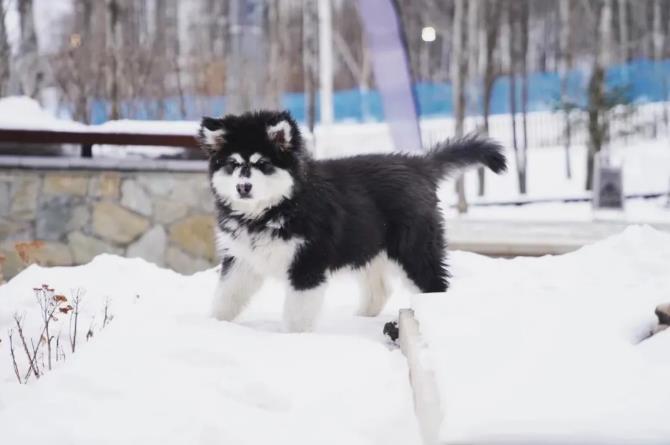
(237, 284)
(423, 259)
(374, 286)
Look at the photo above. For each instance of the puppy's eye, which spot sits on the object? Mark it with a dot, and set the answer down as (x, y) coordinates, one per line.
(228, 165)
(264, 166)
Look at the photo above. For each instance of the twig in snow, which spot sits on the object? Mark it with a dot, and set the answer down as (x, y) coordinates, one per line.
(57, 346)
(31, 357)
(74, 318)
(107, 316)
(40, 351)
(91, 327)
(11, 351)
(48, 303)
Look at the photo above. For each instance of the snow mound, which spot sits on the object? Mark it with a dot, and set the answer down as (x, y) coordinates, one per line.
(189, 128)
(164, 372)
(550, 350)
(24, 113)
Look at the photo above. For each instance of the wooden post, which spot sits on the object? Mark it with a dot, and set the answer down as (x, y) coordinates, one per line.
(426, 396)
(86, 150)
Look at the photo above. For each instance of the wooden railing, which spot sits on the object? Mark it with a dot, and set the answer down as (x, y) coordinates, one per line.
(87, 139)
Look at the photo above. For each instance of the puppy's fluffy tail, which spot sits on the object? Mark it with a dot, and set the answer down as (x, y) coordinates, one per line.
(449, 156)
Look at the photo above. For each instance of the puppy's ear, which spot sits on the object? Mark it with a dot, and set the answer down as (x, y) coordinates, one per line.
(281, 134)
(211, 134)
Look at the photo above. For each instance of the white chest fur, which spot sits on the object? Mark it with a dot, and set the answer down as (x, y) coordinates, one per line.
(266, 254)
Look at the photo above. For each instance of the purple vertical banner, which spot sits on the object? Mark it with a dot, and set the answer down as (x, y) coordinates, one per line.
(385, 37)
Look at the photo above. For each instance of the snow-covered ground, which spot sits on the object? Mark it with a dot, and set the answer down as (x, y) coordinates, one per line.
(164, 372)
(550, 350)
(530, 350)
(646, 170)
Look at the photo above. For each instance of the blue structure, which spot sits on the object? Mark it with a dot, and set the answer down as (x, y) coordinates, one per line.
(644, 79)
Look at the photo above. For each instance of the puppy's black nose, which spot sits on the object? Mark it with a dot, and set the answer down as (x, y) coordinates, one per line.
(244, 189)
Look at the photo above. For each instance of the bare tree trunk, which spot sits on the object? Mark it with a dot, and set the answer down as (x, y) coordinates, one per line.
(472, 49)
(445, 50)
(489, 28)
(624, 40)
(179, 82)
(167, 49)
(482, 66)
(29, 67)
(658, 38)
(364, 83)
(278, 43)
(566, 64)
(217, 27)
(309, 60)
(5, 54)
(472, 68)
(647, 38)
(359, 70)
(274, 75)
(83, 23)
(458, 93)
(523, 25)
(162, 24)
(113, 39)
(606, 40)
(234, 60)
(597, 121)
(512, 12)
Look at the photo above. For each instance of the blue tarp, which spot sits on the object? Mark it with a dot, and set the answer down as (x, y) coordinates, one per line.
(644, 79)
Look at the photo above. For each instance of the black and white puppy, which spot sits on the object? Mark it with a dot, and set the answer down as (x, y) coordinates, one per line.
(285, 215)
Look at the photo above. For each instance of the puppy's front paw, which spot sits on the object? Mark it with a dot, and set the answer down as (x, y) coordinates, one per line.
(298, 324)
(223, 310)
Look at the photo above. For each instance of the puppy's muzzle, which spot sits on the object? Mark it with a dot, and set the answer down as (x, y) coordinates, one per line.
(244, 190)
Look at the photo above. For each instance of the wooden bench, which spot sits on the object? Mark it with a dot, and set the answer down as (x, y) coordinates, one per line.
(86, 139)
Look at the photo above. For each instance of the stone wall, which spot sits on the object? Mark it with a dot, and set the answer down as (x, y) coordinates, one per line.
(63, 217)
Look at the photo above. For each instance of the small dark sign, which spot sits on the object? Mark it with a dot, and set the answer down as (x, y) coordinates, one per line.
(608, 188)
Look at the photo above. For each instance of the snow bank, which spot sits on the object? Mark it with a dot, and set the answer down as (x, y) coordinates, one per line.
(636, 211)
(24, 113)
(163, 372)
(547, 350)
(21, 112)
(151, 127)
(646, 169)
